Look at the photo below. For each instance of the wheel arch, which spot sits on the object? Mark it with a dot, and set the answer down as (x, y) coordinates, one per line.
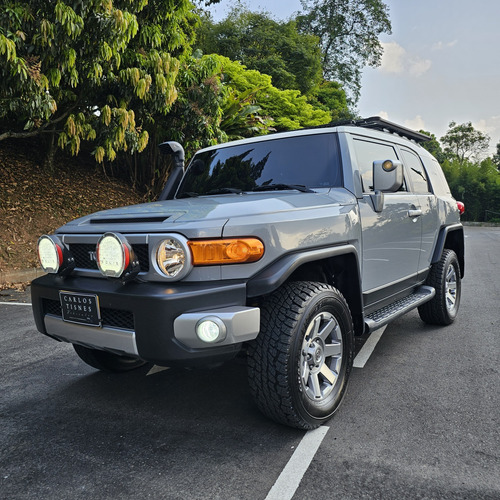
(451, 237)
(337, 266)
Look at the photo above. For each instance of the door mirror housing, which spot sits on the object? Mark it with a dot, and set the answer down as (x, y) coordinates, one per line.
(387, 175)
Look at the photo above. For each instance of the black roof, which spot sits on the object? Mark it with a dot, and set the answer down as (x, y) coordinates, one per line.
(377, 123)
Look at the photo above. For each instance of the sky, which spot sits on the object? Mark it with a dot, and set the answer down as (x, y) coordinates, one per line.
(441, 63)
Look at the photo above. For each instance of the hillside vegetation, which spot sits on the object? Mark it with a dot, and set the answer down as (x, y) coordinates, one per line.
(34, 201)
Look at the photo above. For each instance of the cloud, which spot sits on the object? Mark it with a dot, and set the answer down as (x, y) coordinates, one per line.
(416, 123)
(488, 125)
(397, 60)
(444, 45)
(491, 127)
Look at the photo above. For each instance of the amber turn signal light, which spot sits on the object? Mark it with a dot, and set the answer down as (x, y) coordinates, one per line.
(226, 251)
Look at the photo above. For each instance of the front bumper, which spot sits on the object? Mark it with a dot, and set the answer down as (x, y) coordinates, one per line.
(152, 321)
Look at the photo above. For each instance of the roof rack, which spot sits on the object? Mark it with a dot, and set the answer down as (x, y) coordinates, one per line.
(377, 123)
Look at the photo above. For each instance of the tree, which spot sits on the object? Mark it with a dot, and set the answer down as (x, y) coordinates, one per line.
(97, 70)
(331, 97)
(348, 32)
(292, 59)
(433, 146)
(496, 157)
(464, 143)
(288, 109)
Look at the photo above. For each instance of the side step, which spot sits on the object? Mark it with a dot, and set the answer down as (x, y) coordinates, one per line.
(381, 317)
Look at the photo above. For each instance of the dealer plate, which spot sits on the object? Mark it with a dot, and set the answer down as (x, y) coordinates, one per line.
(81, 308)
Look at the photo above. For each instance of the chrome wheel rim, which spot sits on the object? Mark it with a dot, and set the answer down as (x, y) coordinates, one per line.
(451, 289)
(321, 356)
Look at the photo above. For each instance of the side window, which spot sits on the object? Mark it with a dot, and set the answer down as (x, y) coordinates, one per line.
(438, 180)
(417, 172)
(368, 152)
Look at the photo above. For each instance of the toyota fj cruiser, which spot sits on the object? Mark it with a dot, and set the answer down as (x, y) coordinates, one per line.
(283, 246)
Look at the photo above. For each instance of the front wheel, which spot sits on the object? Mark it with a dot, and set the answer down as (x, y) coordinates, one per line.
(299, 364)
(444, 276)
(107, 361)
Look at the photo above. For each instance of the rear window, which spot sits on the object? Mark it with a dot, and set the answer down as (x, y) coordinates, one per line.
(309, 160)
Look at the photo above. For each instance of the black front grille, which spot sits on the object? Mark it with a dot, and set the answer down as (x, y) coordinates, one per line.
(142, 252)
(84, 254)
(115, 318)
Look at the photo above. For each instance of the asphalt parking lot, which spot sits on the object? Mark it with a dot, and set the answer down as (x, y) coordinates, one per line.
(421, 419)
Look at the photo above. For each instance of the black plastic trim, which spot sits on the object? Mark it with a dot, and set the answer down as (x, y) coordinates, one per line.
(273, 276)
(154, 307)
(438, 250)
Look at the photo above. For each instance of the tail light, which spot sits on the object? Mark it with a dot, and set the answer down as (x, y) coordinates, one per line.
(461, 207)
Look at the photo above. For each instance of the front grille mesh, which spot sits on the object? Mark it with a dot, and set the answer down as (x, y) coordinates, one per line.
(84, 254)
(115, 318)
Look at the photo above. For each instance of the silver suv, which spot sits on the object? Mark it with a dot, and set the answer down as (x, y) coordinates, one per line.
(283, 247)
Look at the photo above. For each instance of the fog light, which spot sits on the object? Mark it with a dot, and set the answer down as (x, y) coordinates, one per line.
(211, 330)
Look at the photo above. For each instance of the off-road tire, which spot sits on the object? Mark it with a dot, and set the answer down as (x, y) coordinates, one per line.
(444, 277)
(277, 358)
(107, 361)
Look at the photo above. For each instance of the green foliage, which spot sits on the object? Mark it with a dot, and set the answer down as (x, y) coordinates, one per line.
(96, 70)
(496, 157)
(433, 146)
(292, 59)
(331, 97)
(477, 185)
(288, 109)
(464, 143)
(348, 32)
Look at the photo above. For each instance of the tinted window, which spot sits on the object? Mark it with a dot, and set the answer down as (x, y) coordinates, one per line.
(439, 185)
(368, 152)
(417, 172)
(310, 160)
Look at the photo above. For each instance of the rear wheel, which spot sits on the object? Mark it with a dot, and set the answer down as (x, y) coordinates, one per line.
(299, 364)
(444, 276)
(107, 361)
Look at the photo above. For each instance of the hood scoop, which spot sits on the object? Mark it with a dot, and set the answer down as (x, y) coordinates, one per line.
(130, 220)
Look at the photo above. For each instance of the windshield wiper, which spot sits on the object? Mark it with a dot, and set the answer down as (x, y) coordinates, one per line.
(225, 190)
(282, 187)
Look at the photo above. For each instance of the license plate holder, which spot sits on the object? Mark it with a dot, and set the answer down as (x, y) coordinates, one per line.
(81, 308)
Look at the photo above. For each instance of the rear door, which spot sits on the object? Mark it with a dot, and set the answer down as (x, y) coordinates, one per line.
(427, 204)
(391, 239)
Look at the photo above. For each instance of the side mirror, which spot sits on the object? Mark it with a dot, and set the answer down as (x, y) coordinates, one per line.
(387, 175)
(174, 179)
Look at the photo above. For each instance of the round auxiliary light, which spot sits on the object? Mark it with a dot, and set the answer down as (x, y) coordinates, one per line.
(211, 330)
(115, 257)
(173, 258)
(50, 253)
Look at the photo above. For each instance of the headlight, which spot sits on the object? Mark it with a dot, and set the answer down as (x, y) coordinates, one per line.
(54, 256)
(173, 258)
(116, 258)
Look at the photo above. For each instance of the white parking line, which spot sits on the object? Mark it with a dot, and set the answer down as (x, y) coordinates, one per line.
(156, 369)
(17, 303)
(366, 351)
(287, 483)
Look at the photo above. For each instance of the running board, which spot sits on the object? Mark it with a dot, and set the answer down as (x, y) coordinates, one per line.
(381, 317)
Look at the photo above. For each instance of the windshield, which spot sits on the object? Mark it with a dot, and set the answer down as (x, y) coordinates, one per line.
(308, 161)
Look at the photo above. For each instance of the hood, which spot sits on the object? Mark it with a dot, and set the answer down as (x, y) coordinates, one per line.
(213, 211)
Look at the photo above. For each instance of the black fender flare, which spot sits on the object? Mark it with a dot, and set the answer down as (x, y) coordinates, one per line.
(274, 275)
(459, 249)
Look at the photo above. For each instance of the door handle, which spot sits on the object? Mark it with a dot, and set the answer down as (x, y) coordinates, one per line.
(414, 213)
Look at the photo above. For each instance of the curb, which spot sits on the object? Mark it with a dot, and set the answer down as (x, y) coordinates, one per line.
(20, 276)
